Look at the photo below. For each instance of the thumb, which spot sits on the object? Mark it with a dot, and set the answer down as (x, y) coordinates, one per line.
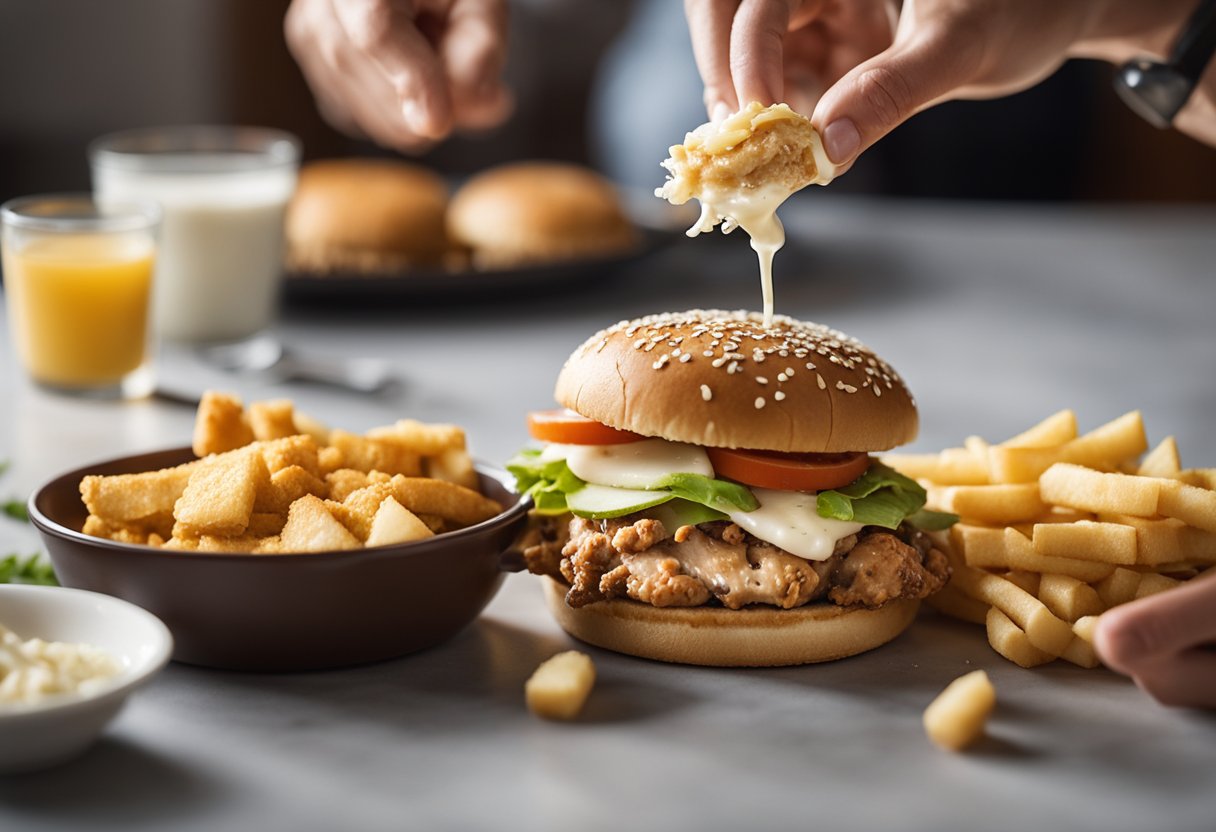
(888, 89)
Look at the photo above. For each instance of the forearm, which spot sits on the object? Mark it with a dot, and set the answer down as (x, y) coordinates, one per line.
(1119, 30)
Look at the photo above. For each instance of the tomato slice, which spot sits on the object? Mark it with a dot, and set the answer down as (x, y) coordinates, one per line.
(789, 472)
(569, 428)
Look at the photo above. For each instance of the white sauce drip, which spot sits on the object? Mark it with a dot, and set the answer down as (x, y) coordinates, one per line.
(789, 520)
(755, 211)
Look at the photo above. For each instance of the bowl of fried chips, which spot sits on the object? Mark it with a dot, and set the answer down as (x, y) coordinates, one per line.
(280, 550)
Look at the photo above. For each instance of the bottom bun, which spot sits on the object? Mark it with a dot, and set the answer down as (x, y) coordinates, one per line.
(719, 637)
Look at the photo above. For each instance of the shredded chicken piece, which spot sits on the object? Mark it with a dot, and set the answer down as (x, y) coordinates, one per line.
(585, 559)
(655, 579)
(638, 536)
(541, 544)
(881, 568)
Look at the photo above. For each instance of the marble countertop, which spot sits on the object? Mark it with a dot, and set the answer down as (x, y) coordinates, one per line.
(996, 316)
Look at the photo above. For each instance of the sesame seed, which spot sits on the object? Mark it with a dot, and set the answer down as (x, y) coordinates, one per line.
(708, 353)
(782, 377)
(685, 358)
(649, 347)
(823, 385)
(810, 365)
(718, 362)
(706, 393)
(877, 390)
(758, 357)
(779, 396)
(789, 371)
(761, 380)
(759, 402)
(662, 362)
(638, 344)
(732, 368)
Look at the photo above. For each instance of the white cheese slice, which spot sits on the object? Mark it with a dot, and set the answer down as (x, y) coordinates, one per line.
(634, 464)
(790, 520)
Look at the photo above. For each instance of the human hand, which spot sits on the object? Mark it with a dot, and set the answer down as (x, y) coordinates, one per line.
(773, 50)
(405, 73)
(1165, 643)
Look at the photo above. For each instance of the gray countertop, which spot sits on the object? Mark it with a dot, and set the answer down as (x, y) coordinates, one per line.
(996, 316)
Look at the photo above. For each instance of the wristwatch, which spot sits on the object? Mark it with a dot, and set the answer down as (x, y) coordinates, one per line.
(1156, 90)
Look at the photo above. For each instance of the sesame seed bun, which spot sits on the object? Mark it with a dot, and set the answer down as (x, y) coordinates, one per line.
(722, 379)
(755, 636)
(366, 215)
(538, 212)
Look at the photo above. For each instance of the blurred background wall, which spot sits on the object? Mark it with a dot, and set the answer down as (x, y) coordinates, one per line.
(602, 81)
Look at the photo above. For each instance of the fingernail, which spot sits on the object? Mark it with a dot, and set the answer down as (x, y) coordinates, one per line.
(841, 140)
(720, 112)
(415, 119)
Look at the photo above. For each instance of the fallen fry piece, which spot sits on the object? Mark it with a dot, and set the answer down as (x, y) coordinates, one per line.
(559, 687)
(956, 718)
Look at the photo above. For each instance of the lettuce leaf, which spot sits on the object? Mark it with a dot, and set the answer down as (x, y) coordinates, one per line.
(882, 497)
(549, 483)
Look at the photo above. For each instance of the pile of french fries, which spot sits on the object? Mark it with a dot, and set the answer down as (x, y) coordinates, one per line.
(270, 480)
(1057, 528)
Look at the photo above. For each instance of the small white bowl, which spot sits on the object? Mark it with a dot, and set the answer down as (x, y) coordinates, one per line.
(52, 731)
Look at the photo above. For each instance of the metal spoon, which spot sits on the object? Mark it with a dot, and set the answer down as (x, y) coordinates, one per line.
(269, 358)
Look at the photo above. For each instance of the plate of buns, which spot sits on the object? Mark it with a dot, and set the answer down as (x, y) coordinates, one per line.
(387, 229)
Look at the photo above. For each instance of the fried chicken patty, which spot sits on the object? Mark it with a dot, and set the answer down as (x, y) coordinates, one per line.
(636, 557)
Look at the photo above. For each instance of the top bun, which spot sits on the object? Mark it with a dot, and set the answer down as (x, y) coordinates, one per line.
(535, 212)
(723, 379)
(366, 215)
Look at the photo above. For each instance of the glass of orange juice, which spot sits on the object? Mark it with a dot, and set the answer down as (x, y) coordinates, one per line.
(77, 283)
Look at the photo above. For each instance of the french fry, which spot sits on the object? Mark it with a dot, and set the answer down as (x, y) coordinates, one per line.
(272, 419)
(218, 500)
(1081, 653)
(394, 523)
(311, 528)
(346, 481)
(453, 465)
(366, 454)
(953, 602)
(956, 718)
(1044, 630)
(220, 424)
(1056, 429)
(1199, 477)
(315, 428)
(1193, 506)
(130, 498)
(421, 438)
(953, 466)
(1086, 540)
(987, 548)
(1011, 641)
(992, 504)
(282, 488)
(1026, 581)
(1084, 628)
(1070, 485)
(1151, 584)
(1119, 588)
(358, 511)
(1161, 461)
(291, 450)
(447, 500)
(1102, 448)
(1069, 598)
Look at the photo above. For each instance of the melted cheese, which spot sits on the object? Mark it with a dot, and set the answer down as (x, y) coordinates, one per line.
(789, 520)
(633, 464)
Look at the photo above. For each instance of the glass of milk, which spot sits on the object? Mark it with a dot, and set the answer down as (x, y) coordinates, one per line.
(223, 191)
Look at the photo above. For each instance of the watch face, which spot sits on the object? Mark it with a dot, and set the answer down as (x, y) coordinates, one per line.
(1153, 90)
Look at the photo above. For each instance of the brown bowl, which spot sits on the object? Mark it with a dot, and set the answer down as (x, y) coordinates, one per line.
(286, 612)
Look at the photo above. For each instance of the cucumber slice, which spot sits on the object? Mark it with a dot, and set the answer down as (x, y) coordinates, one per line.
(600, 502)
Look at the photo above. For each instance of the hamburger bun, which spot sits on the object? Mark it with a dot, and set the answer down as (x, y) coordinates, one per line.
(755, 636)
(538, 212)
(366, 215)
(722, 379)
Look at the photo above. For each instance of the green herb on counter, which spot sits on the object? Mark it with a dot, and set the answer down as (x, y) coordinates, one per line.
(31, 569)
(16, 510)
